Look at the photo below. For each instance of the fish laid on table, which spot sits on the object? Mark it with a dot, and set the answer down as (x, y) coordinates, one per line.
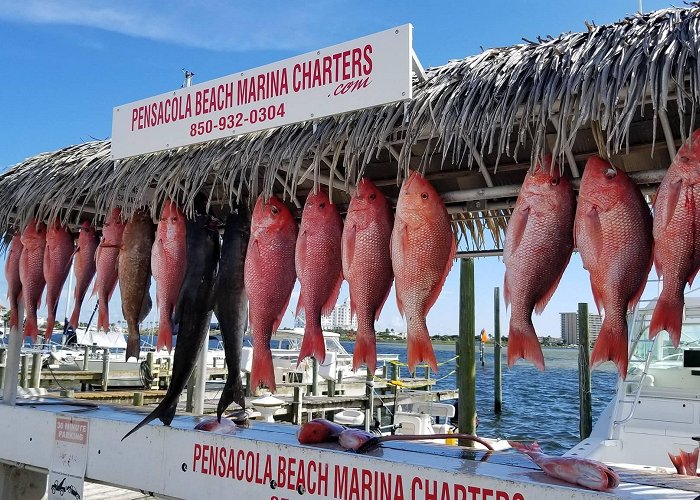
(31, 274)
(319, 430)
(107, 263)
(589, 473)
(217, 425)
(58, 255)
(231, 304)
(422, 249)
(538, 246)
(676, 235)
(320, 269)
(192, 312)
(168, 262)
(12, 276)
(612, 231)
(686, 463)
(84, 267)
(134, 273)
(366, 252)
(269, 280)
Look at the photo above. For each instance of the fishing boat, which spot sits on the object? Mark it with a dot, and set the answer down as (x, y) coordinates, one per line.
(656, 408)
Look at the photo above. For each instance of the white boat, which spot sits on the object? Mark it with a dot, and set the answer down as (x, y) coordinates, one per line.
(656, 409)
(337, 366)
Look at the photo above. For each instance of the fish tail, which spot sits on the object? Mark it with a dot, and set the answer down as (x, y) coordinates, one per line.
(312, 344)
(103, 316)
(165, 335)
(165, 411)
(233, 392)
(365, 349)
(50, 320)
(668, 315)
(133, 343)
(31, 329)
(14, 321)
(75, 317)
(262, 372)
(611, 345)
(419, 346)
(523, 343)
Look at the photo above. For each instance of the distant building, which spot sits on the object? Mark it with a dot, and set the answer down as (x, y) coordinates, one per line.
(340, 318)
(569, 327)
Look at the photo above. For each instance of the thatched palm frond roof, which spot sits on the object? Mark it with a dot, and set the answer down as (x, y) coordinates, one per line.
(627, 89)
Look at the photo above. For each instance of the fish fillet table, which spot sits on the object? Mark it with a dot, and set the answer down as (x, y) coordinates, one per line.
(265, 461)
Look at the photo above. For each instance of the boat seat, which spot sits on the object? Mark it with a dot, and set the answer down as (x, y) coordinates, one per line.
(436, 409)
(412, 423)
(349, 417)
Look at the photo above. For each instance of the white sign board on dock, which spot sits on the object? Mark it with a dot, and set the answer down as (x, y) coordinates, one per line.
(369, 71)
(69, 458)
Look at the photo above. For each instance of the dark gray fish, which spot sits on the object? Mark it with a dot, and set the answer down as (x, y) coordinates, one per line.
(192, 313)
(231, 304)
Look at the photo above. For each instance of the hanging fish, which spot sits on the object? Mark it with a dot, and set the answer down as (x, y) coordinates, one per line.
(192, 314)
(422, 250)
(612, 232)
(84, 267)
(168, 262)
(366, 252)
(320, 269)
(107, 264)
(31, 274)
(676, 236)
(57, 260)
(269, 280)
(134, 273)
(12, 276)
(538, 246)
(231, 304)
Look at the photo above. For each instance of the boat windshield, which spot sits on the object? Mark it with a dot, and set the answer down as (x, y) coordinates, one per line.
(656, 363)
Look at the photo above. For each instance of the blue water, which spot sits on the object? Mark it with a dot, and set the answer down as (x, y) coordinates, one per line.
(537, 406)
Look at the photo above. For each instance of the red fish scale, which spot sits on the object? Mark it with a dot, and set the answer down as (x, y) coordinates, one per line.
(14, 285)
(57, 260)
(32, 274)
(107, 263)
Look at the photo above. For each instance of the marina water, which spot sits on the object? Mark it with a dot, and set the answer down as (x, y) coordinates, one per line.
(537, 406)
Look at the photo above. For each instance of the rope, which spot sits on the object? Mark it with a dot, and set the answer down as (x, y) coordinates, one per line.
(145, 374)
(423, 365)
(448, 375)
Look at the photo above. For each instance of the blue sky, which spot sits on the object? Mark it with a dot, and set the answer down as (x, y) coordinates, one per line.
(66, 63)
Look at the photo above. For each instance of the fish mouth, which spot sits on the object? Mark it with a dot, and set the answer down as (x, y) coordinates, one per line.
(609, 172)
(411, 178)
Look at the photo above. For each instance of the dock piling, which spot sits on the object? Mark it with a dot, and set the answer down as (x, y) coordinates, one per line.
(297, 405)
(138, 398)
(24, 371)
(150, 362)
(314, 376)
(584, 373)
(466, 383)
(105, 368)
(369, 392)
(497, 393)
(9, 390)
(3, 362)
(36, 370)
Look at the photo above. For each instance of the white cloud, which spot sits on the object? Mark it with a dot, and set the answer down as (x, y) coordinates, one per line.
(217, 25)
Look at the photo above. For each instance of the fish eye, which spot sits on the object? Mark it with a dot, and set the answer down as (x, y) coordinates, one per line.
(424, 196)
(372, 196)
(322, 205)
(685, 159)
(554, 181)
(274, 210)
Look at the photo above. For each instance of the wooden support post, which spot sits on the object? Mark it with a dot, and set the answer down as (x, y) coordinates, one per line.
(67, 393)
(297, 405)
(86, 361)
(150, 362)
(497, 394)
(36, 370)
(105, 368)
(3, 363)
(9, 389)
(427, 379)
(369, 392)
(248, 392)
(331, 387)
(24, 371)
(138, 398)
(584, 373)
(466, 383)
(314, 376)
(395, 371)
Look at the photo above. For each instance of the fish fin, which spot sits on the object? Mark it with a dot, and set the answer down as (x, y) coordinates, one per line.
(49, 328)
(165, 336)
(278, 319)
(165, 411)
(448, 265)
(611, 346)
(673, 194)
(103, 316)
(31, 329)
(75, 317)
(399, 303)
(300, 303)
(419, 346)
(638, 295)
(333, 297)
(523, 343)
(677, 461)
(516, 227)
(300, 253)
(133, 344)
(506, 292)
(592, 228)
(667, 315)
(533, 447)
(313, 343)
(233, 391)
(544, 300)
(348, 248)
(263, 370)
(381, 304)
(146, 304)
(365, 350)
